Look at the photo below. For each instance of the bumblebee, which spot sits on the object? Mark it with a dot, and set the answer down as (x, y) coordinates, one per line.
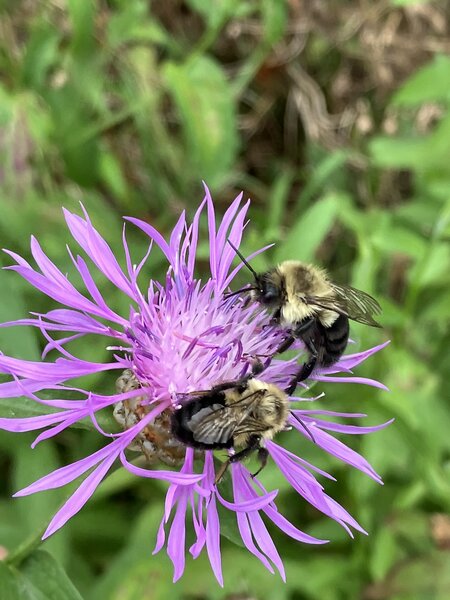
(234, 414)
(312, 308)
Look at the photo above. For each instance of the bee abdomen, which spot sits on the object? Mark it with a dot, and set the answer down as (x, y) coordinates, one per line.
(336, 339)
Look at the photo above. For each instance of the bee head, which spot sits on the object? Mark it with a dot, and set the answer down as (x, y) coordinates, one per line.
(267, 290)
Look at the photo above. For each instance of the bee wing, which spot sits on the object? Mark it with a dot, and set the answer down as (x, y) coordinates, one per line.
(354, 304)
(213, 425)
(250, 427)
(218, 423)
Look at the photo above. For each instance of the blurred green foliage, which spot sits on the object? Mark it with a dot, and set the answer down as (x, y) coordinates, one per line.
(335, 118)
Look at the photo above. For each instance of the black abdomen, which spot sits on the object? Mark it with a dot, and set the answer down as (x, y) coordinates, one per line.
(181, 422)
(335, 341)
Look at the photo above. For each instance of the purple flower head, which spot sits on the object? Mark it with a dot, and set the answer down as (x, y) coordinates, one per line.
(179, 336)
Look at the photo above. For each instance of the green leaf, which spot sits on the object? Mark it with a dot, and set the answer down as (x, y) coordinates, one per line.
(277, 200)
(82, 39)
(430, 84)
(29, 465)
(308, 233)
(422, 578)
(384, 553)
(15, 585)
(434, 270)
(408, 2)
(110, 171)
(15, 341)
(215, 12)
(124, 569)
(321, 175)
(397, 152)
(47, 576)
(274, 16)
(40, 56)
(8, 583)
(393, 239)
(203, 98)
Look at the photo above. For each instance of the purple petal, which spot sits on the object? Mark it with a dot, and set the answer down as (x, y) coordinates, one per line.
(235, 236)
(213, 258)
(97, 249)
(67, 295)
(194, 239)
(33, 423)
(349, 429)
(280, 521)
(246, 535)
(241, 265)
(332, 413)
(258, 529)
(175, 241)
(154, 235)
(341, 451)
(92, 288)
(68, 421)
(349, 361)
(45, 264)
(200, 531)
(363, 380)
(177, 536)
(59, 370)
(227, 219)
(79, 498)
(160, 537)
(66, 474)
(255, 503)
(173, 476)
(19, 260)
(289, 529)
(213, 540)
(309, 488)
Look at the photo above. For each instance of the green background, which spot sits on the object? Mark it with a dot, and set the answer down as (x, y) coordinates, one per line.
(334, 118)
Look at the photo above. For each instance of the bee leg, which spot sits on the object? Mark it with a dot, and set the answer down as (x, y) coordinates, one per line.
(285, 344)
(293, 385)
(275, 319)
(257, 367)
(307, 368)
(305, 427)
(263, 455)
(228, 385)
(254, 444)
(221, 472)
(307, 331)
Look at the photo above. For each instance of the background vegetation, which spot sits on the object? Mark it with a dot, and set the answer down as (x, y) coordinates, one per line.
(334, 118)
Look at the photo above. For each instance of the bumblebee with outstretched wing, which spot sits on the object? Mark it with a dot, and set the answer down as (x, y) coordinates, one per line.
(234, 414)
(311, 308)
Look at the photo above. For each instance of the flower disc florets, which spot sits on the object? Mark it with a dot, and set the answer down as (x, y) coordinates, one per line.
(180, 336)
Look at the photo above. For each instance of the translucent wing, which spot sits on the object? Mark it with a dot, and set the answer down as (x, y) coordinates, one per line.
(348, 301)
(218, 423)
(212, 425)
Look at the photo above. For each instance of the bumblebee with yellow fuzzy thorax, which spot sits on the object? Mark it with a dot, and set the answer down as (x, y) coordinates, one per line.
(234, 414)
(312, 308)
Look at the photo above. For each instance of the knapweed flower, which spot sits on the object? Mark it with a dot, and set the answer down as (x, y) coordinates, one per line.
(179, 336)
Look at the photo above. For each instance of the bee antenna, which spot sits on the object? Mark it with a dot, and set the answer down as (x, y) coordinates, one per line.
(305, 427)
(241, 291)
(244, 260)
